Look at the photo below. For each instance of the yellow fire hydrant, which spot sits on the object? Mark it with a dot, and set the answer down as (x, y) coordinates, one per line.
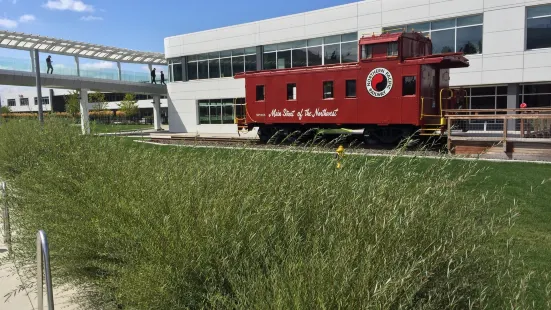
(339, 155)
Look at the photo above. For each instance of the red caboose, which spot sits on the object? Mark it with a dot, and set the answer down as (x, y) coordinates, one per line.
(397, 88)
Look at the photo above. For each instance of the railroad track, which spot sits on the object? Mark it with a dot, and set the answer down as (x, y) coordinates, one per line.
(176, 140)
(329, 144)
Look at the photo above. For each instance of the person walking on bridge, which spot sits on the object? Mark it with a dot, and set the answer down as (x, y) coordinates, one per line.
(49, 64)
(153, 76)
(163, 78)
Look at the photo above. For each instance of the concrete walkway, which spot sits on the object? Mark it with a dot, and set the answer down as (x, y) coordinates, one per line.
(23, 300)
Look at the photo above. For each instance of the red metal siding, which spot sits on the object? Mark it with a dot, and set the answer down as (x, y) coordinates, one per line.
(310, 107)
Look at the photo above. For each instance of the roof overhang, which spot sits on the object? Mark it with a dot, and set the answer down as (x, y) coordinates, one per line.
(23, 41)
(451, 61)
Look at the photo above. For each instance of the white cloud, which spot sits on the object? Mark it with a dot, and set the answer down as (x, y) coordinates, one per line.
(7, 23)
(98, 65)
(27, 18)
(91, 18)
(71, 5)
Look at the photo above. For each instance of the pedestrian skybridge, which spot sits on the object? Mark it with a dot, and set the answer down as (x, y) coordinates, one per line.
(20, 72)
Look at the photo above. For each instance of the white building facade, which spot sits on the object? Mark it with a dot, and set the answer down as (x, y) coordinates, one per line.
(508, 43)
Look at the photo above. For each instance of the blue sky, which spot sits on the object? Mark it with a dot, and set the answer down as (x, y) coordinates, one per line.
(135, 24)
(140, 24)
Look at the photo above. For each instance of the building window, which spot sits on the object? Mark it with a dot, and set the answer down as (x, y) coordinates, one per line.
(314, 52)
(260, 95)
(327, 89)
(292, 91)
(221, 111)
(24, 101)
(538, 27)
(45, 101)
(221, 64)
(175, 72)
(536, 95)
(392, 49)
(408, 86)
(351, 89)
(491, 98)
(463, 34)
(11, 102)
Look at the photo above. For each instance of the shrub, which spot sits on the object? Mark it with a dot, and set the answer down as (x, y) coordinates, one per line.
(171, 228)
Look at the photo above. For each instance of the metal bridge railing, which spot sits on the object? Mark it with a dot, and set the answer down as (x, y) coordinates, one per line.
(43, 266)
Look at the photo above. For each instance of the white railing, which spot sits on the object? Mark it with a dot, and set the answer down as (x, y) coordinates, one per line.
(43, 260)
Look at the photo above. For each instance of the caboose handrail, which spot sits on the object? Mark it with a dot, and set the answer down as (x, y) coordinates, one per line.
(442, 120)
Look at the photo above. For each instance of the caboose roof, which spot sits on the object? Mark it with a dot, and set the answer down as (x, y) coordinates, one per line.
(382, 38)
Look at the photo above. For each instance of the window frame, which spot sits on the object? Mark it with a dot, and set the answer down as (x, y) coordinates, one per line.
(346, 95)
(21, 102)
(307, 44)
(14, 103)
(526, 18)
(392, 49)
(293, 88)
(241, 53)
(414, 86)
(332, 90)
(263, 93)
(221, 103)
(496, 95)
(429, 32)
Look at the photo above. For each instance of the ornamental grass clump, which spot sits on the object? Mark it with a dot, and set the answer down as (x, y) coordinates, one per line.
(142, 227)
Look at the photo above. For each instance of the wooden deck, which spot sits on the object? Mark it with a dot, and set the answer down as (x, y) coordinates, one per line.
(532, 141)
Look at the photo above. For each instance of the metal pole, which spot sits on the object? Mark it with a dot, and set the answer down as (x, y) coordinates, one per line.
(38, 87)
(43, 254)
(5, 217)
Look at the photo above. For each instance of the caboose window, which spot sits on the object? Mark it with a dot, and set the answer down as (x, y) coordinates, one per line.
(409, 86)
(351, 89)
(392, 49)
(367, 51)
(327, 89)
(291, 91)
(260, 92)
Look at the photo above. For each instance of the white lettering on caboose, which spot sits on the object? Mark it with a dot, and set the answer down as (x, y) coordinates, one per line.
(304, 113)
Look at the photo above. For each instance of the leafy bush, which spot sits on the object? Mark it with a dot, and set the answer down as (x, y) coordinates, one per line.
(142, 227)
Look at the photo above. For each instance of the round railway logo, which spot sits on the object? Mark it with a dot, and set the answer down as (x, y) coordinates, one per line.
(379, 82)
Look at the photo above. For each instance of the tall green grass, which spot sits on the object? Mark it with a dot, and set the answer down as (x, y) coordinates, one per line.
(138, 227)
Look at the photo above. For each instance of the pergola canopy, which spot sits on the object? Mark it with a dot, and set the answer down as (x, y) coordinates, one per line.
(23, 41)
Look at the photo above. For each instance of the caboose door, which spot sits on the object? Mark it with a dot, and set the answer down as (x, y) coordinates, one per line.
(429, 97)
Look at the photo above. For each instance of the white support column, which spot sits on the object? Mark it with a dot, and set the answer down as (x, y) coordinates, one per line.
(51, 99)
(150, 69)
(33, 70)
(120, 71)
(157, 112)
(77, 62)
(84, 119)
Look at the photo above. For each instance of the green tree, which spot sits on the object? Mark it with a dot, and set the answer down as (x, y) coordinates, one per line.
(99, 101)
(72, 103)
(128, 105)
(5, 110)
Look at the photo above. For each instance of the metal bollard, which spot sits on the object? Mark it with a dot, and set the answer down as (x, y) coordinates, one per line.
(5, 216)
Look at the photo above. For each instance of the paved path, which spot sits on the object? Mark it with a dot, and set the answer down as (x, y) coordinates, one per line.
(9, 281)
